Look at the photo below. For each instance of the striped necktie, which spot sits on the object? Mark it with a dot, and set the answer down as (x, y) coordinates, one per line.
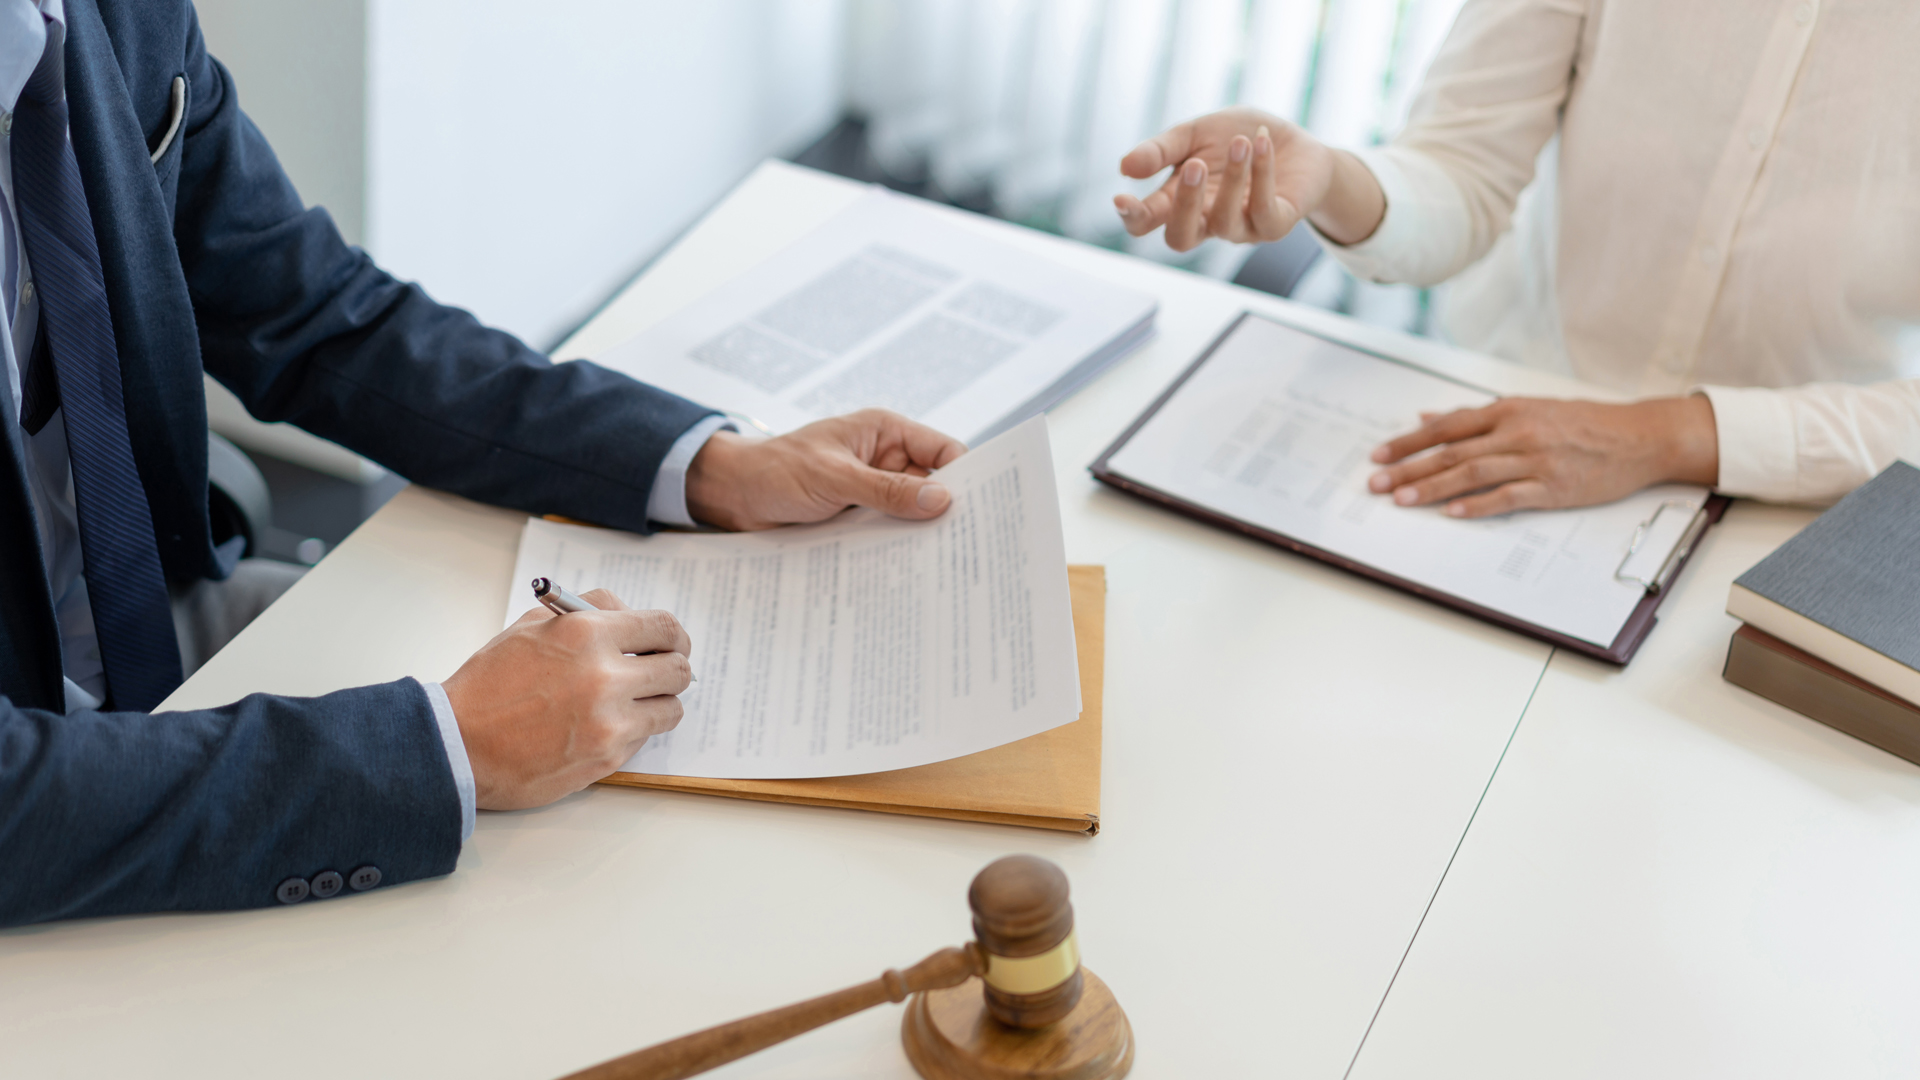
(128, 592)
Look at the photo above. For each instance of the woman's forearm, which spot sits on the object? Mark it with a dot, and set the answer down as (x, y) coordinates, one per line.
(1692, 438)
(1354, 205)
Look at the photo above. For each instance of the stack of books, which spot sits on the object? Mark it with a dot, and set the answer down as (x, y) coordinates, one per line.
(1833, 617)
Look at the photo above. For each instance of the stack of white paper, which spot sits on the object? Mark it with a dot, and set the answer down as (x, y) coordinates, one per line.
(860, 644)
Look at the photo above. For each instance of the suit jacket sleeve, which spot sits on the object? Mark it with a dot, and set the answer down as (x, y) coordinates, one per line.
(304, 328)
(109, 813)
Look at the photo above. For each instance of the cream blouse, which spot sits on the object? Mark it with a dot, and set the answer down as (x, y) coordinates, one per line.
(1728, 199)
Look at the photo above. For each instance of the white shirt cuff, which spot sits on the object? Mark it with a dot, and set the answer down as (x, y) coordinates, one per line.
(1755, 432)
(667, 503)
(1421, 239)
(456, 753)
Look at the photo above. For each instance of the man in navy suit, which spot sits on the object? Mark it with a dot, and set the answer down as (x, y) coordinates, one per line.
(149, 233)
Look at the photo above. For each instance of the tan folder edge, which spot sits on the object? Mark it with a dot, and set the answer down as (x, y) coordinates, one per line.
(1046, 781)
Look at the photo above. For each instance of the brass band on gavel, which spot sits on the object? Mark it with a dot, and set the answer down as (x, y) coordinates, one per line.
(1024, 924)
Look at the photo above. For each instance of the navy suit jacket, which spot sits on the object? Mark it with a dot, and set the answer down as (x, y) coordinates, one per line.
(212, 261)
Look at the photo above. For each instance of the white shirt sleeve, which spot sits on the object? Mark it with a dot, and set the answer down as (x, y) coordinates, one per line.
(1814, 443)
(1423, 239)
(456, 754)
(667, 503)
(1489, 103)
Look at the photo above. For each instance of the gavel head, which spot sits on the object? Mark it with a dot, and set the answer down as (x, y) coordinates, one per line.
(1024, 925)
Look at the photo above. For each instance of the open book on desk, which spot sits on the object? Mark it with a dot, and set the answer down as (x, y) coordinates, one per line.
(1270, 433)
(858, 645)
(888, 304)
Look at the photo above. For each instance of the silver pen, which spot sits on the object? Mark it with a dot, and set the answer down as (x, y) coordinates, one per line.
(561, 602)
(558, 600)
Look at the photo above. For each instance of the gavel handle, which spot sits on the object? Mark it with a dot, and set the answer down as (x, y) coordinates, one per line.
(692, 1054)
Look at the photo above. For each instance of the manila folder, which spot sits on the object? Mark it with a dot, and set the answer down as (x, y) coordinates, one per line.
(1046, 781)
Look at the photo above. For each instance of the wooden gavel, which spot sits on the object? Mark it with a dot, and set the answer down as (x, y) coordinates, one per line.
(1044, 1016)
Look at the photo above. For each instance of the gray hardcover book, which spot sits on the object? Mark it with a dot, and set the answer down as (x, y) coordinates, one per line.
(1847, 588)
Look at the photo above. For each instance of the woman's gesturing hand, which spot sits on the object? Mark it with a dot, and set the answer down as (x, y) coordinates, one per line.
(1530, 453)
(1245, 176)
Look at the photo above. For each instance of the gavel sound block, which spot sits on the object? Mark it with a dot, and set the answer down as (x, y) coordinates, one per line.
(1014, 1004)
(1033, 1012)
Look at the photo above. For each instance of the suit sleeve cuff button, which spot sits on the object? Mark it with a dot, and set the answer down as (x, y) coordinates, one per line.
(327, 883)
(364, 878)
(292, 891)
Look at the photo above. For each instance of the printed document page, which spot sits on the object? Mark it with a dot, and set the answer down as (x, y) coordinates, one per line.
(889, 305)
(857, 645)
(1277, 427)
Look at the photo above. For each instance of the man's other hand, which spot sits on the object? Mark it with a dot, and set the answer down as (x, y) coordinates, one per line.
(556, 702)
(1535, 454)
(870, 458)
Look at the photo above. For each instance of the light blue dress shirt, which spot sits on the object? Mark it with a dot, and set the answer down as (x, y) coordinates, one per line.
(25, 27)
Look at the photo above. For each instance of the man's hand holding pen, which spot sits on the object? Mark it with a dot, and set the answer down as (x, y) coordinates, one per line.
(568, 693)
(553, 704)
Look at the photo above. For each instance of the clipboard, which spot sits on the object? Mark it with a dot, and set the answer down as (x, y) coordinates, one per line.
(1621, 650)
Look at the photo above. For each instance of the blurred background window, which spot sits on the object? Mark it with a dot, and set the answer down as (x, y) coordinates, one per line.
(524, 160)
(1023, 108)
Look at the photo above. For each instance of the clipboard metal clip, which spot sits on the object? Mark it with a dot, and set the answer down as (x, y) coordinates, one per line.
(1664, 575)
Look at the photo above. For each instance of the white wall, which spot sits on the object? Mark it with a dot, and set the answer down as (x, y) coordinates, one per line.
(520, 159)
(524, 159)
(301, 69)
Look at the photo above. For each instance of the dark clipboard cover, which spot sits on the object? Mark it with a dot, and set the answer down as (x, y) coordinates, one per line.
(1635, 630)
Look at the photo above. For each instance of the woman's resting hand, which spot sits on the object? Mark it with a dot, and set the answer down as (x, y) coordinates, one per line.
(1533, 453)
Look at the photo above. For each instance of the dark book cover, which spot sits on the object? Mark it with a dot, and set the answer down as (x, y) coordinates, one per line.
(1856, 569)
(1777, 671)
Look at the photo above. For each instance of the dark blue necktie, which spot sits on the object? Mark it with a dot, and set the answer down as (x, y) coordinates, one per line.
(128, 592)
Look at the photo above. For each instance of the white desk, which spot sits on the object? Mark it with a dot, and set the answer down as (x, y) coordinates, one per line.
(1292, 757)
(1672, 877)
